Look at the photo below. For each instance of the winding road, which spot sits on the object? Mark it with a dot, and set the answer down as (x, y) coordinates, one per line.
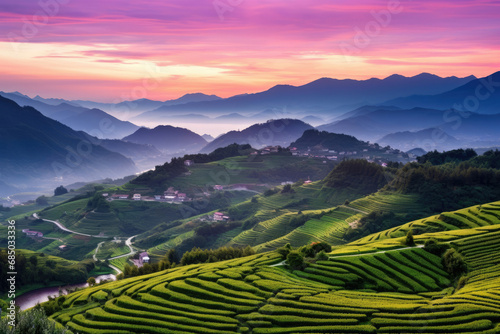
(65, 229)
(128, 242)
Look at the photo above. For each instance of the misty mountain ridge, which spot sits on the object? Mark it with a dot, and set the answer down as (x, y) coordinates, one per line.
(93, 121)
(479, 95)
(37, 149)
(273, 132)
(168, 138)
(317, 97)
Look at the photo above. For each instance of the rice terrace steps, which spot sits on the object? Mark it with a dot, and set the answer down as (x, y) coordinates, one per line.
(385, 288)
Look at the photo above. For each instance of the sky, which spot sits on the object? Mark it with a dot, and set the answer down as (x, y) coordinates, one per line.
(113, 50)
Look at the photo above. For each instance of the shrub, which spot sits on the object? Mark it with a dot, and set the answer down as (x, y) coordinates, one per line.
(295, 260)
(409, 241)
(454, 263)
(433, 246)
(321, 256)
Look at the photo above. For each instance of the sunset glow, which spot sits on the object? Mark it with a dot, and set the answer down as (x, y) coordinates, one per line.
(112, 50)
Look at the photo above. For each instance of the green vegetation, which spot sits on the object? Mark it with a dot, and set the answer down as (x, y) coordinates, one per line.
(38, 268)
(33, 321)
(392, 289)
(359, 175)
(437, 158)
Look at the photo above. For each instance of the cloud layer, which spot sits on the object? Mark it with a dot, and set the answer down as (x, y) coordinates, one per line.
(106, 49)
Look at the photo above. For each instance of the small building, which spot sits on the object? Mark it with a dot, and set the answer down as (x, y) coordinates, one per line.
(181, 196)
(169, 191)
(35, 234)
(144, 258)
(62, 247)
(188, 162)
(105, 195)
(157, 197)
(218, 187)
(218, 216)
(136, 197)
(119, 196)
(286, 182)
(170, 198)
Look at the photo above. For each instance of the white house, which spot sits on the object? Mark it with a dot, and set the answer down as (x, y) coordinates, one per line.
(218, 216)
(136, 197)
(144, 258)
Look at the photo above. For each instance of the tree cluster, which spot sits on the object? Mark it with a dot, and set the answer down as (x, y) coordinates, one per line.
(36, 268)
(437, 158)
(358, 175)
(60, 191)
(197, 255)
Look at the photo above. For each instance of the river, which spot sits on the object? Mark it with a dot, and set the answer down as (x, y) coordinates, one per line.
(31, 298)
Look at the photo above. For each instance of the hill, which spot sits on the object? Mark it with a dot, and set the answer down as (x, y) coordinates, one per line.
(474, 130)
(129, 109)
(318, 97)
(427, 138)
(331, 141)
(274, 132)
(93, 121)
(37, 269)
(37, 149)
(168, 139)
(479, 96)
(375, 287)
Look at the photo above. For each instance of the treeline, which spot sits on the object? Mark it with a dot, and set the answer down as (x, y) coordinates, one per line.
(197, 255)
(449, 186)
(170, 260)
(358, 175)
(233, 150)
(35, 268)
(438, 158)
(332, 141)
(176, 167)
(490, 159)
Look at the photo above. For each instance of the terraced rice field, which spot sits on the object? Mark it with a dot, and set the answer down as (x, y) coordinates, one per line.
(475, 216)
(400, 290)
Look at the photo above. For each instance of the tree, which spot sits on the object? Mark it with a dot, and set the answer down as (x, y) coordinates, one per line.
(454, 263)
(295, 260)
(321, 256)
(409, 241)
(42, 200)
(433, 246)
(60, 191)
(91, 281)
(287, 189)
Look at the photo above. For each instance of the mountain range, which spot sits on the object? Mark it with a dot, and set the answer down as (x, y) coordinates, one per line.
(37, 149)
(479, 95)
(93, 121)
(127, 109)
(168, 139)
(273, 132)
(318, 97)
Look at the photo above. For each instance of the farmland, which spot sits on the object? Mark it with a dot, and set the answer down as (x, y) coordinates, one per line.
(386, 287)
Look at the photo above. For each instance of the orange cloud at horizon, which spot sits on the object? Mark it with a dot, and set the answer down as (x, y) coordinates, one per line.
(115, 51)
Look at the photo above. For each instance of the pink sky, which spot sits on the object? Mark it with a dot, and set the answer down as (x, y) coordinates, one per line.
(116, 50)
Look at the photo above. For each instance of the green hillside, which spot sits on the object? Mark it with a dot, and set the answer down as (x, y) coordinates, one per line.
(392, 289)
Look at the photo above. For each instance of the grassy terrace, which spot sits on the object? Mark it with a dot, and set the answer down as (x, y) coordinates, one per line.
(403, 290)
